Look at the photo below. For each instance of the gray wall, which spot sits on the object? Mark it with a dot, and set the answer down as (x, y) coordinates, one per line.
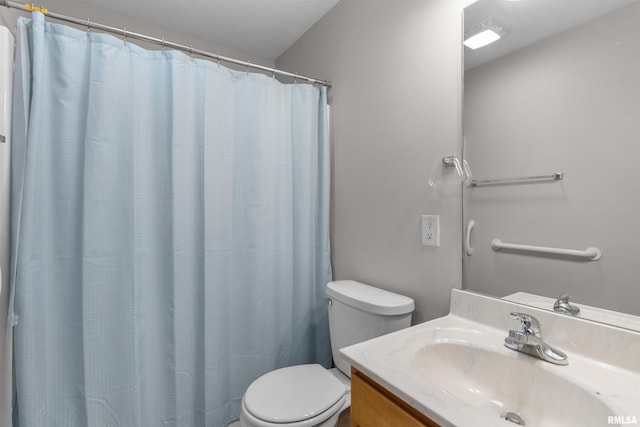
(570, 103)
(396, 110)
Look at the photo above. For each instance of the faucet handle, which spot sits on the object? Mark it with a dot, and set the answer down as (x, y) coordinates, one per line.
(562, 305)
(564, 298)
(530, 325)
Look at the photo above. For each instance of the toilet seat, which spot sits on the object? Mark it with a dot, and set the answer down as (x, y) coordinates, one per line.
(302, 395)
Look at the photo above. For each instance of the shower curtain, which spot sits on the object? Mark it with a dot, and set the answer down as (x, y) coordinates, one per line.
(170, 237)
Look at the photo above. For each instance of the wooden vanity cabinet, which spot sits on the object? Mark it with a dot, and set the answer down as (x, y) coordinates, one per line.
(374, 406)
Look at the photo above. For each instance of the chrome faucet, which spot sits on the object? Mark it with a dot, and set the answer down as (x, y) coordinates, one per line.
(529, 341)
(562, 305)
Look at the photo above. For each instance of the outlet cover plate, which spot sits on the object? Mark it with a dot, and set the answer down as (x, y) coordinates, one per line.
(430, 230)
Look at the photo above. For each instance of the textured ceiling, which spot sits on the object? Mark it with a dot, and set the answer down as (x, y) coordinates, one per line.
(265, 28)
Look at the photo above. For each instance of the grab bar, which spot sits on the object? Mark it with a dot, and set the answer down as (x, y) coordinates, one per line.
(467, 241)
(591, 253)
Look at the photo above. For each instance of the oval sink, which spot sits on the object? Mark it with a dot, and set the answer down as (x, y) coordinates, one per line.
(502, 384)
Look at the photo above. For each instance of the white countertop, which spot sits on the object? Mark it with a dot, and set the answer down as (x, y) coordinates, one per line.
(390, 360)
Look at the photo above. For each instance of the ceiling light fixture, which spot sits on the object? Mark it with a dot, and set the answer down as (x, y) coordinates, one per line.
(484, 33)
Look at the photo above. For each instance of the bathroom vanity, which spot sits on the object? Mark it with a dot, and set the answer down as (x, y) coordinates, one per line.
(456, 370)
(374, 406)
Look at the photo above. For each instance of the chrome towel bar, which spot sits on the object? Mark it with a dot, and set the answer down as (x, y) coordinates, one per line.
(557, 176)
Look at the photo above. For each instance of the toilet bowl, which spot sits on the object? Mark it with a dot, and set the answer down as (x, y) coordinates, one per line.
(310, 395)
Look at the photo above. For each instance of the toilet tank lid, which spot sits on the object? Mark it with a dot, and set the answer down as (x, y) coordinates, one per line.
(369, 299)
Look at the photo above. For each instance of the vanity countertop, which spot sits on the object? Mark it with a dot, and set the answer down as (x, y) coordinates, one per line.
(603, 364)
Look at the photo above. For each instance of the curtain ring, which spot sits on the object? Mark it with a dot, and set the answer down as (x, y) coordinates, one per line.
(248, 65)
(295, 79)
(218, 59)
(124, 34)
(273, 73)
(191, 50)
(163, 43)
(88, 25)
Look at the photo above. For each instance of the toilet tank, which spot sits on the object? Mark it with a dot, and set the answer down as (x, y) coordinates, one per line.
(359, 312)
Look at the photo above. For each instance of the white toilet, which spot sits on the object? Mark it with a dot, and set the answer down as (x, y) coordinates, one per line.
(310, 395)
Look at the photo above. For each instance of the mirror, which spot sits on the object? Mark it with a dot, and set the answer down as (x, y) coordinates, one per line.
(557, 97)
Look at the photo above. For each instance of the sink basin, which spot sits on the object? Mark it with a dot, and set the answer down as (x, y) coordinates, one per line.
(498, 383)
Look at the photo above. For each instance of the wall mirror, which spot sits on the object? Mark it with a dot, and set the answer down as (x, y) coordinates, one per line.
(552, 136)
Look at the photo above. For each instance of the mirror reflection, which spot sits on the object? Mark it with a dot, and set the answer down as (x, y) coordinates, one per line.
(552, 128)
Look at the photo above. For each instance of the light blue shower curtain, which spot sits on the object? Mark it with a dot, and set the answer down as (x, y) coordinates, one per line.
(170, 232)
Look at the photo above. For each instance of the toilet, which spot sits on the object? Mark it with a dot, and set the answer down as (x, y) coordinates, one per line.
(310, 395)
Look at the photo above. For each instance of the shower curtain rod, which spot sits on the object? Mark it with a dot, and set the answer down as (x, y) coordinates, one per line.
(164, 43)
